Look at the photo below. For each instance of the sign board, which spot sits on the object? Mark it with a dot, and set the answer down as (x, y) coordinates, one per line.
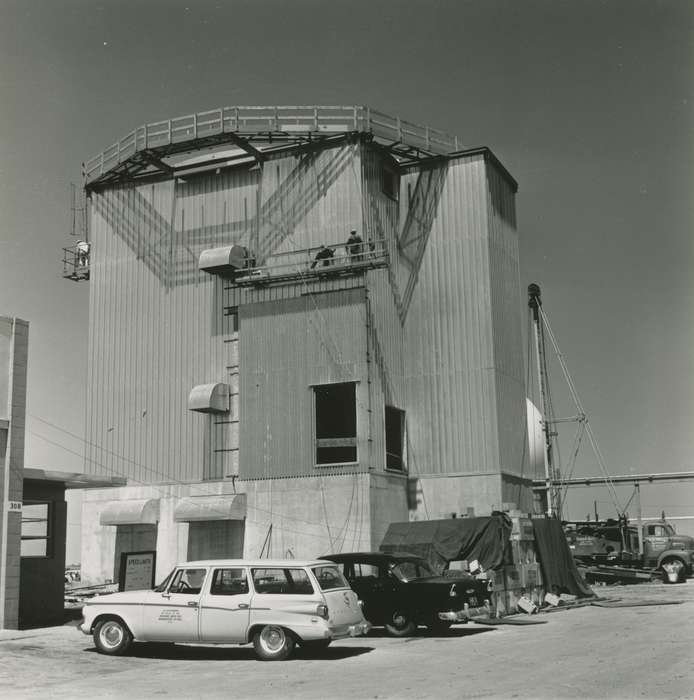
(14, 506)
(137, 571)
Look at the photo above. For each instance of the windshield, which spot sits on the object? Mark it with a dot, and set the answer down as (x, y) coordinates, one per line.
(162, 586)
(411, 569)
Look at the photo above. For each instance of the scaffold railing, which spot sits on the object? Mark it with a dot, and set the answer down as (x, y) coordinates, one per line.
(342, 258)
(279, 121)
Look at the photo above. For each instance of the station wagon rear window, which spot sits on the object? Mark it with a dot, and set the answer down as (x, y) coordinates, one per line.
(329, 577)
(282, 581)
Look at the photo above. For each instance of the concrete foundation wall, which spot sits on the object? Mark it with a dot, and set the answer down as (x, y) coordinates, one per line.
(14, 337)
(285, 518)
(99, 541)
(440, 497)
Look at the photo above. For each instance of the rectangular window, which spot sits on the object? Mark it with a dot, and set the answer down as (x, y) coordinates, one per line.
(395, 438)
(329, 577)
(215, 539)
(231, 314)
(282, 581)
(390, 182)
(36, 530)
(229, 582)
(336, 423)
(188, 581)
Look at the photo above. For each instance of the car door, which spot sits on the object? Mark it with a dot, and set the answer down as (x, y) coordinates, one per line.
(373, 586)
(225, 606)
(173, 615)
(656, 540)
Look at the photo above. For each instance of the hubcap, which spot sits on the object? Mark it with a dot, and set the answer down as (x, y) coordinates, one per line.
(399, 620)
(111, 634)
(272, 638)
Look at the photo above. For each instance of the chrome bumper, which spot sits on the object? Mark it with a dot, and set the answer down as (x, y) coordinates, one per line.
(360, 629)
(467, 613)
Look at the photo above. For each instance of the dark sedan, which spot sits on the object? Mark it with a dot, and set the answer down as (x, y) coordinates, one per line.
(400, 591)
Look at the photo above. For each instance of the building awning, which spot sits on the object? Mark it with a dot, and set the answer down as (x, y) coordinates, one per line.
(73, 480)
(196, 508)
(209, 398)
(131, 512)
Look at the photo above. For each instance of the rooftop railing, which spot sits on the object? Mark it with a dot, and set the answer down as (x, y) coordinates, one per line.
(277, 120)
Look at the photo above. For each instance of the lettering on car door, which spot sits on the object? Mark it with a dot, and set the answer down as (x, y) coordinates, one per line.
(173, 614)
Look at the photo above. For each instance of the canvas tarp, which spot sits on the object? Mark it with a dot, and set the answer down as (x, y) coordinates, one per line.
(442, 541)
(558, 566)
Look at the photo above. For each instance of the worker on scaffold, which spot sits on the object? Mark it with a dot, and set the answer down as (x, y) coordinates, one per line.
(324, 255)
(82, 253)
(354, 246)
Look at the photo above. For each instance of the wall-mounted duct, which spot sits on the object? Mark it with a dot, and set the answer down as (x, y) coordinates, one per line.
(209, 398)
(229, 258)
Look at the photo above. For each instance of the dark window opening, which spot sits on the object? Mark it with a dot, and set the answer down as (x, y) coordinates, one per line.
(390, 182)
(215, 539)
(232, 312)
(36, 530)
(336, 423)
(395, 438)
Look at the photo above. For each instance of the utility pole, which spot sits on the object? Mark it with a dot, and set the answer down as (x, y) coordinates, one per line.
(551, 490)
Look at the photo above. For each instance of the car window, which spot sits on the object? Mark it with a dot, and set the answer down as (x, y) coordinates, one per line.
(187, 581)
(363, 570)
(164, 584)
(329, 577)
(409, 570)
(657, 531)
(292, 581)
(229, 582)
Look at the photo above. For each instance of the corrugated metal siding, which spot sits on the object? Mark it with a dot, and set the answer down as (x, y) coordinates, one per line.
(155, 332)
(286, 347)
(157, 323)
(449, 360)
(385, 334)
(506, 325)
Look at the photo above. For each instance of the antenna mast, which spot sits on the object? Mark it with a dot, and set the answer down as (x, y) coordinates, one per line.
(553, 494)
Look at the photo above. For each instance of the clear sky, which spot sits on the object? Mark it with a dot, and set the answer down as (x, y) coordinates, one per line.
(589, 104)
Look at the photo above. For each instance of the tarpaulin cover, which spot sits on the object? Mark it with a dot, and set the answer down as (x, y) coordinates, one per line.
(442, 541)
(558, 566)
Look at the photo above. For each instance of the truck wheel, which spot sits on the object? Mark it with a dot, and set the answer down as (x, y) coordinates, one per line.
(400, 625)
(673, 567)
(272, 643)
(112, 637)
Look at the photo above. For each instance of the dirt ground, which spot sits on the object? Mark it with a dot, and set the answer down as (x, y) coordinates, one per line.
(641, 649)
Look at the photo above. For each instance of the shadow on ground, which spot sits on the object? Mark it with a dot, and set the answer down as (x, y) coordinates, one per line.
(246, 653)
(424, 632)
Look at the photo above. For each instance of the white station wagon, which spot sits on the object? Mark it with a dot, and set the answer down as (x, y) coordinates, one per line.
(274, 604)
